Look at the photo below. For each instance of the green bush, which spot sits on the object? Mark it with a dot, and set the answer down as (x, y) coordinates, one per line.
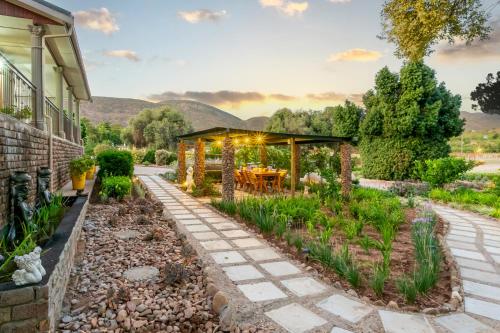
(101, 147)
(442, 171)
(115, 187)
(138, 155)
(115, 163)
(149, 157)
(164, 157)
(78, 166)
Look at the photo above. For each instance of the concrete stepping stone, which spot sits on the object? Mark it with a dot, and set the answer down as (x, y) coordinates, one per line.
(184, 216)
(243, 272)
(495, 238)
(127, 234)
(492, 250)
(496, 259)
(215, 219)
(295, 318)
(215, 245)
(205, 235)
(487, 277)
(224, 226)
(339, 330)
(141, 273)
(190, 222)
(491, 243)
(197, 228)
(262, 291)
(461, 239)
(202, 210)
(482, 308)
(481, 290)
(262, 254)
(246, 242)
(480, 265)
(235, 233)
(228, 257)
(304, 286)
(280, 268)
(467, 254)
(395, 322)
(461, 245)
(209, 215)
(346, 308)
(462, 323)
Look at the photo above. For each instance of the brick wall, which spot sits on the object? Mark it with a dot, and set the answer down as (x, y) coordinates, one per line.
(23, 147)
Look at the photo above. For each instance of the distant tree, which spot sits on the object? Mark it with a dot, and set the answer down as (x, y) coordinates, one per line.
(409, 117)
(487, 95)
(416, 25)
(346, 120)
(287, 121)
(103, 132)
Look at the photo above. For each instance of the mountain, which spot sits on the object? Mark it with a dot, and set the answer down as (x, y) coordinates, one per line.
(478, 121)
(257, 123)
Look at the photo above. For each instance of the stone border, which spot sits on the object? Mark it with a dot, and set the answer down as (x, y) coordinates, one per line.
(36, 308)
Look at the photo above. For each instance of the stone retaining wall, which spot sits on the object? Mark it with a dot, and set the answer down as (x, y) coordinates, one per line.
(23, 147)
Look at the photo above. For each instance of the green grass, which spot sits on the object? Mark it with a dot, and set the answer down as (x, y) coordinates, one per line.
(487, 201)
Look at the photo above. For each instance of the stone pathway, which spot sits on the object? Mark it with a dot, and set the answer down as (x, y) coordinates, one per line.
(283, 291)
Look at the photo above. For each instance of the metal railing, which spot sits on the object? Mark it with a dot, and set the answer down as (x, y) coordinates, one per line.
(67, 127)
(52, 111)
(17, 93)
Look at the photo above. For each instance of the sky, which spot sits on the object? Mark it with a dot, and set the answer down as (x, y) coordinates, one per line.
(252, 57)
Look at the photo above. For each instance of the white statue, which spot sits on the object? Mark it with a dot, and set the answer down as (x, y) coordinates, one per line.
(189, 180)
(30, 268)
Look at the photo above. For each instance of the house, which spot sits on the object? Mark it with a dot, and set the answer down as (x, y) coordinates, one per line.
(42, 75)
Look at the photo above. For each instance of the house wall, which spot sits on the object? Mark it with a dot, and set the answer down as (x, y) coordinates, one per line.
(23, 147)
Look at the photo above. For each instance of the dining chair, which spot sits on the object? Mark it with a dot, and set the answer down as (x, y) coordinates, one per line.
(279, 181)
(253, 181)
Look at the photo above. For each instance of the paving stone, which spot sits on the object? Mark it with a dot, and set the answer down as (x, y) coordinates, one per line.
(395, 322)
(487, 277)
(197, 228)
(491, 237)
(190, 222)
(482, 308)
(280, 268)
(209, 215)
(205, 235)
(461, 238)
(262, 254)
(496, 259)
(224, 226)
(295, 318)
(243, 272)
(228, 257)
(481, 290)
(461, 245)
(491, 243)
(339, 330)
(185, 216)
(246, 242)
(304, 286)
(462, 323)
(346, 308)
(481, 265)
(492, 250)
(141, 273)
(467, 254)
(216, 245)
(202, 210)
(235, 233)
(215, 219)
(463, 227)
(262, 291)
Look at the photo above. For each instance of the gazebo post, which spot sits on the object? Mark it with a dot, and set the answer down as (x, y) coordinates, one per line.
(263, 154)
(293, 165)
(345, 169)
(181, 162)
(227, 169)
(199, 163)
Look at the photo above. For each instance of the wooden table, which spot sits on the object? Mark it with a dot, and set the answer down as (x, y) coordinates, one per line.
(261, 175)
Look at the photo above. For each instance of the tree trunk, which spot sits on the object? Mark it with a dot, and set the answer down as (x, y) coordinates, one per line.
(181, 162)
(228, 170)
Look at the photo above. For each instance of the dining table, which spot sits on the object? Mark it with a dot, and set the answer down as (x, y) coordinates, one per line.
(263, 176)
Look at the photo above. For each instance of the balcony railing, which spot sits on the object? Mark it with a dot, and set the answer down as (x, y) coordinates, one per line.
(17, 93)
(52, 111)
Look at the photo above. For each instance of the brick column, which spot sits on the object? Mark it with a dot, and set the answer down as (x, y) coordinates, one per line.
(228, 170)
(199, 163)
(181, 162)
(37, 74)
(70, 114)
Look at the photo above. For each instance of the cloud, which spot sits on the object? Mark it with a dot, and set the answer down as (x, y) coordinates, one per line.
(97, 19)
(197, 16)
(289, 8)
(332, 96)
(126, 54)
(358, 55)
(477, 51)
(340, 1)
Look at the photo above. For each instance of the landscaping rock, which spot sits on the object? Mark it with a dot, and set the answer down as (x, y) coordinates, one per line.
(220, 300)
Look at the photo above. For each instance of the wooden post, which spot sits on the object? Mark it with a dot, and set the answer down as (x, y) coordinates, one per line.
(345, 169)
(199, 163)
(293, 166)
(181, 162)
(297, 163)
(227, 170)
(263, 155)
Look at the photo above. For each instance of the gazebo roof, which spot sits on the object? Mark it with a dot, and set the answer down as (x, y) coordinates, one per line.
(269, 138)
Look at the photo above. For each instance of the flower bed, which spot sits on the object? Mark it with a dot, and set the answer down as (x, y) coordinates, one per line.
(373, 244)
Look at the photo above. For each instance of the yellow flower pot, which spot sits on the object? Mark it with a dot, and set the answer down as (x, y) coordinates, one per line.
(90, 173)
(78, 182)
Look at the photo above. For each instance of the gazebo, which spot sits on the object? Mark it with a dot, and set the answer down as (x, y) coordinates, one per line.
(228, 138)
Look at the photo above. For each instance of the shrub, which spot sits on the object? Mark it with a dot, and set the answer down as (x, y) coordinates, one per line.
(149, 157)
(78, 166)
(228, 207)
(164, 157)
(138, 155)
(443, 170)
(115, 187)
(115, 163)
(101, 147)
(378, 279)
(407, 288)
(207, 189)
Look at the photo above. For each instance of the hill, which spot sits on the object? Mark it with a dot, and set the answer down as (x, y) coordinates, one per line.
(257, 123)
(478, 121)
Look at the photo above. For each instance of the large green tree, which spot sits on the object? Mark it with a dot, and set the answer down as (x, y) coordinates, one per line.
(287, 121)
(414, 26)
(487, 95)
(410, 116)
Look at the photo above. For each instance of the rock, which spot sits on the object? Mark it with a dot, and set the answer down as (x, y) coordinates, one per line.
(430, 311)
(188, 313)
(352, 293)
(131, 306)
(392, 305)
(93, 322)
(212, 289)
(122, 314)
(127, 324)
(138, 323)
(379, 302)
(226, 318)
(141, 307)
(141, 273)
(219, 301)
(337, 285)
(456, 295)
(66, 319)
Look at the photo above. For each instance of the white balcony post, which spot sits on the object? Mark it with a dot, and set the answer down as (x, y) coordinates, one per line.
(77, 120)
(37, 32)
(70, 114)
(60, 100)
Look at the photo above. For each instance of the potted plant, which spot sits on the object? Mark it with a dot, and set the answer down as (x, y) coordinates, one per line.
(91, 167)
(78, 169)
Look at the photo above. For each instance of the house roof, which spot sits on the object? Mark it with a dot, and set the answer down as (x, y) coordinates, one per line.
(258, 137)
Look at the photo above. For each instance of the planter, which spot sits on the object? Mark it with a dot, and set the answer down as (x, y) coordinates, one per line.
(90, 173)
(78, 181)
(36, 307)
